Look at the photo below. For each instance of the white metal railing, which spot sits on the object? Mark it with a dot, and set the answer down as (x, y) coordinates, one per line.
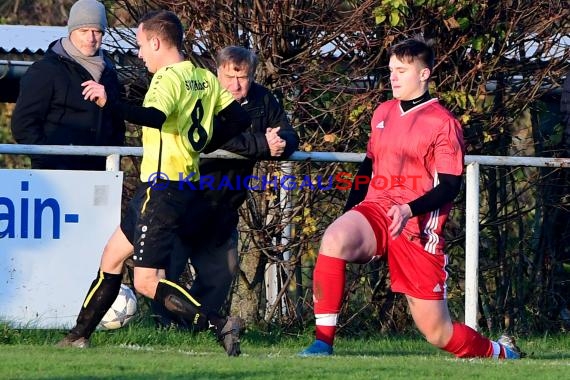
(472, 162)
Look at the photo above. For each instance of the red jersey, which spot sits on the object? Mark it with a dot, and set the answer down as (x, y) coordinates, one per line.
(408, 150)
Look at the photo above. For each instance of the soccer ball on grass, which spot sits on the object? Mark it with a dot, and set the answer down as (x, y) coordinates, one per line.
(122, 310)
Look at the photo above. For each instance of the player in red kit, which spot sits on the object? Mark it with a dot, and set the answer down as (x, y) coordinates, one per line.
(412, 136)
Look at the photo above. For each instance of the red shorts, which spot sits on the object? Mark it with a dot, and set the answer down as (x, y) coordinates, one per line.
(413, 271)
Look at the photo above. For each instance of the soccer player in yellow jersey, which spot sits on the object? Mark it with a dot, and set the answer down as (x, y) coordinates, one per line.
(178, 117)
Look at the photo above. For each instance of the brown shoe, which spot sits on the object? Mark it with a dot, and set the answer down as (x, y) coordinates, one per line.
(74, 342)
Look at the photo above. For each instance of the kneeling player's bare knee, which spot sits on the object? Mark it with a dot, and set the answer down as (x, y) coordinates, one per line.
(436, 337)
(333, 239)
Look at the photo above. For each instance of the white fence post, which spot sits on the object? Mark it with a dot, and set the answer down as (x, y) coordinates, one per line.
(113, 163)
(273, 277)
(471, 244)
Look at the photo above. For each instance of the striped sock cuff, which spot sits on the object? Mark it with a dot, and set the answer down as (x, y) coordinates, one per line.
(326, 319)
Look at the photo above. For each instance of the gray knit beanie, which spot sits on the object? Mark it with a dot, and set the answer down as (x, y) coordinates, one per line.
(87, 14)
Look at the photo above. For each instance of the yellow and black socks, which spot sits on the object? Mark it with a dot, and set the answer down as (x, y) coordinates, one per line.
(100, 297)
(178, 301)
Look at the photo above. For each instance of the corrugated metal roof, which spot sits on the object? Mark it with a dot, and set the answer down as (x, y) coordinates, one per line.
(34, 39)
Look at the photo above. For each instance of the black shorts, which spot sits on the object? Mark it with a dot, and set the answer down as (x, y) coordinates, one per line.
(153, 220)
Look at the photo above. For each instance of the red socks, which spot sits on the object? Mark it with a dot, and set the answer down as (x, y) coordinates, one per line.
(329, 279)
(328, 290)
(468, 343)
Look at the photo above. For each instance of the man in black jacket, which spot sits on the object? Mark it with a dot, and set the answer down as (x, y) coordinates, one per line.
(51, 110)
(214, 254)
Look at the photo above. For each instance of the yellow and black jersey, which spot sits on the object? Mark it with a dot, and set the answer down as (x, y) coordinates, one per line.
(189, 97)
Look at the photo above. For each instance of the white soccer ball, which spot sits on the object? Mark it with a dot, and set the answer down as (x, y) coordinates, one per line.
(122, 310)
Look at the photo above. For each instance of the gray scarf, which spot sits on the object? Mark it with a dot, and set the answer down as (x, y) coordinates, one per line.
(94, 65)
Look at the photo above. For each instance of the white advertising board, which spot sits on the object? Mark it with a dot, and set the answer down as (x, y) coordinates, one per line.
(53, 227)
